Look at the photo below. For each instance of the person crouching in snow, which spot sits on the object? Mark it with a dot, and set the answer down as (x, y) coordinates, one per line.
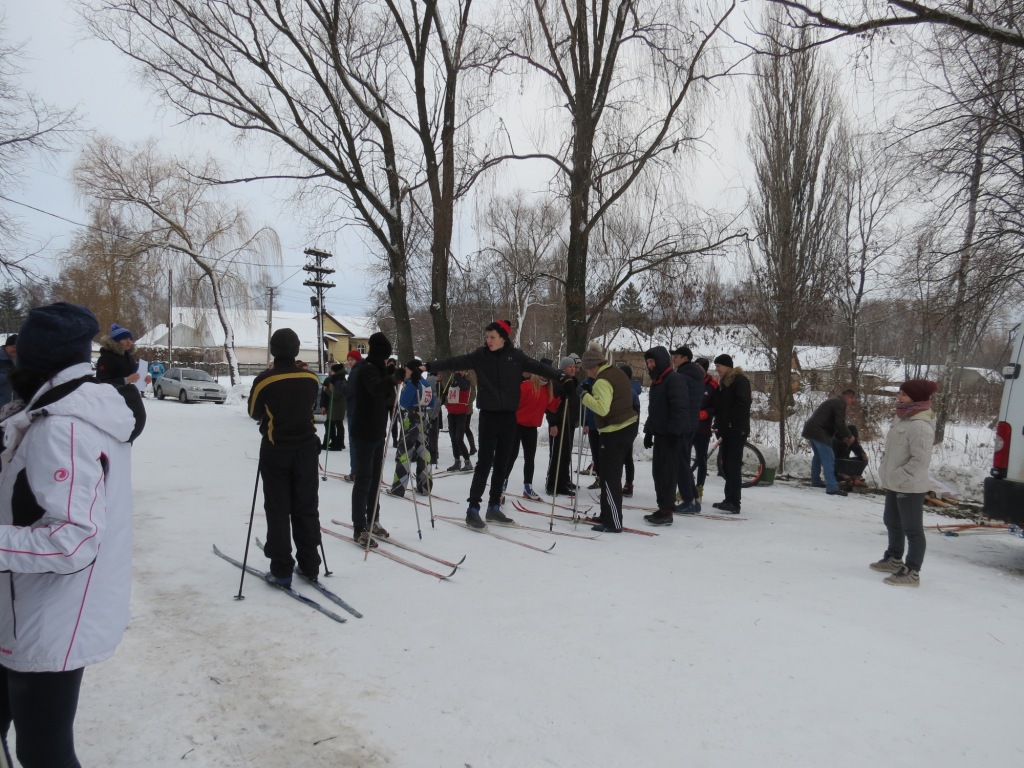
(65, 531)
(499, 367)
(904, 476)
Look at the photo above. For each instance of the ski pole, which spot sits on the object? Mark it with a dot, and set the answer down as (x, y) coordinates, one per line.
(558, 463)
(408, 468)
(579, 467)
(377, 479)
(424, 430)
(327, 444)
(248, 535)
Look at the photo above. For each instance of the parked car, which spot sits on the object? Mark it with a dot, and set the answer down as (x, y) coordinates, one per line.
(1004, 490)
(190, 385)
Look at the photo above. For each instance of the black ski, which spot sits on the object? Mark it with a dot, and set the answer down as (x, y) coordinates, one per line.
(287, 590)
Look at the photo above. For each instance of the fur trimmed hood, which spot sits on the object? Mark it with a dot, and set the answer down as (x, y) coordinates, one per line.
(730, 377)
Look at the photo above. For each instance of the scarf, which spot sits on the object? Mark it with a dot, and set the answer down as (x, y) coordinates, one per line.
(662, 376)
(906, 410)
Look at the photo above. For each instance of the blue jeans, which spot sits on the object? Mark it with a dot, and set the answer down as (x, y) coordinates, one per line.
(824, 462)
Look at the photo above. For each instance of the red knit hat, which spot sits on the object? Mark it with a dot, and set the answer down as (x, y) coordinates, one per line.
(919, 390)
(354, 354)
(502, 327)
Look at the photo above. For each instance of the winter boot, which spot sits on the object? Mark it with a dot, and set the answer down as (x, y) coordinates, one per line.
(285, 582)
(904, 577)
(887, 564)
(467, 465)
(473, 518)
(693, 508)
(495, 515)
(456, 467)
(364, 539)
(661, 517)
(529, 494)
(594, 485)
(397, 490)
(627, 491)
(379, 531)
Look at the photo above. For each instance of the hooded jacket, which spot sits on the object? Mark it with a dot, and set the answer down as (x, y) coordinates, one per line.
(373, 384)
(498, 374)
(693, 377)
(708, 404)
(666, 414)
(827, 422)
(65, 527)
(732, 414)
(115, 363)
(908, 451)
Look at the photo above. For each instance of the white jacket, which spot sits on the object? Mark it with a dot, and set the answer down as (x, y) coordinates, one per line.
(67, 576)
(908, 451)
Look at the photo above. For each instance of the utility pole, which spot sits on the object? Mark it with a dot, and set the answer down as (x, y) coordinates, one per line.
(317, 271)
(270, 319)
(170, 318)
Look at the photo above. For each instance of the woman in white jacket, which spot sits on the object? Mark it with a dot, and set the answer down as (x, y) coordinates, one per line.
(904, 476)
(65, 532)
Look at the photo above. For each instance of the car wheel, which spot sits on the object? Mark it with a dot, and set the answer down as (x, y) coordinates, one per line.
(159, 393)
(182, 396)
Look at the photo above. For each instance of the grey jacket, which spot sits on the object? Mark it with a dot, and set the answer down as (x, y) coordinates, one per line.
(908, 451)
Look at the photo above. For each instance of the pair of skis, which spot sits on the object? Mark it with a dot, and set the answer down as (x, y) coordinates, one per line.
(297, 595)
(705, 515)
(580, 519)
(396, 558)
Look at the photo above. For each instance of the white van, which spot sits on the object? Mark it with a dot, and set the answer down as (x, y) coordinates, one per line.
(1004, 490)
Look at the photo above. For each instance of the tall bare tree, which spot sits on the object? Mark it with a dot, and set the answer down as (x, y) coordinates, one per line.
(178, 217)
(363, 94)
(28, 125)
(631, 75)
(797, 149)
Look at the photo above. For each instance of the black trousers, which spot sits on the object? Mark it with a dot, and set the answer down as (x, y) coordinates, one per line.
(497, 435)
(527, 438)
(334, 434)
(42, 706)
(457, 425)
(612, 449)
(685, 478)
(368, 466)
(664, 468)
(560, 446)
(291, 501)
(732, 466)
(904, 522)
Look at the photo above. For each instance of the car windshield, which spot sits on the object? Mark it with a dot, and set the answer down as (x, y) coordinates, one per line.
(196, 375)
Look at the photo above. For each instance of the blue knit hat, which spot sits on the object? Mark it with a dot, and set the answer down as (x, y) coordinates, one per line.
(55, 337)
(117, 333)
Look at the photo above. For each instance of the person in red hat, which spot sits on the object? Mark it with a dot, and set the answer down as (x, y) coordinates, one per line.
(499, 367)
(904, 476)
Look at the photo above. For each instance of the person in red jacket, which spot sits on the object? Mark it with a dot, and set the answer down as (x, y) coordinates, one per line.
(536, 397)
(456, 400)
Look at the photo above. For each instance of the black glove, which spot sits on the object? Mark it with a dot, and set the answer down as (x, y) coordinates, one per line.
(414, 366)
(587, 386)
(648, 440)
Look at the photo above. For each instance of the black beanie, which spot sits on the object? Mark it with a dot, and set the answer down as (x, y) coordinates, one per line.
(725, 360)
(284, 344)
(55, 337)
(380, 347)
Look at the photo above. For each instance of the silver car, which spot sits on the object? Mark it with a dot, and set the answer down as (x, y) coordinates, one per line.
(189, 386)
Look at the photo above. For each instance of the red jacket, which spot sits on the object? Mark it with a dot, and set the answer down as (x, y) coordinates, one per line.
(457, 399)
(533, 404)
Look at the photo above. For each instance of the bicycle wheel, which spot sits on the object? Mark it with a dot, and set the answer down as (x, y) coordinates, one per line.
(753, 465)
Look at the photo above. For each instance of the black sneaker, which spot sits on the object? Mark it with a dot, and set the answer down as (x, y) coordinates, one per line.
(837, 492)
(473, 518)
(399, 492)
(602, 528)
(495, 515)
(627, 491)
(285, 582)
(456, 467)
(727, 506)
(594, 485)
(660, 517)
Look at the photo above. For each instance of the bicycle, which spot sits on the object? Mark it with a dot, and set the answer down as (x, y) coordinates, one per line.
(753, 462)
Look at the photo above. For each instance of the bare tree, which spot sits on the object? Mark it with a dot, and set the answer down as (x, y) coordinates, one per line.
(796, 146)
(365, 95)
(872, 193)
(27, 125)
(178, 218)
(631, 75)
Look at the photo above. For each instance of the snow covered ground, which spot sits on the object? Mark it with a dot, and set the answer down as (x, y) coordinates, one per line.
(762, 642)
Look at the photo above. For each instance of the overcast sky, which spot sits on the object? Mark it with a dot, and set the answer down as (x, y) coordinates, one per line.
(67, 68)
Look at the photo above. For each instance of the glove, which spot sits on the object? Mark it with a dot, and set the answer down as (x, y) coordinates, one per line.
(587, 387)
(414, 366)
(648, 440)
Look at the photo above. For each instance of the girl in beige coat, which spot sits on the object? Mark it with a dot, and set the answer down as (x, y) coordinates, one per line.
(904, 476)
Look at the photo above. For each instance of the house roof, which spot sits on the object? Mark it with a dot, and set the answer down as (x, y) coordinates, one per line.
(739, 341)
(198, 327)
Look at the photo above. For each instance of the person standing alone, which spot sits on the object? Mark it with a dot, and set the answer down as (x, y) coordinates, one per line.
(282, 401)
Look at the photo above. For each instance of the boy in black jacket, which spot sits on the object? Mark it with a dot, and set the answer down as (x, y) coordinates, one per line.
(282, 401)
(732, 420)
